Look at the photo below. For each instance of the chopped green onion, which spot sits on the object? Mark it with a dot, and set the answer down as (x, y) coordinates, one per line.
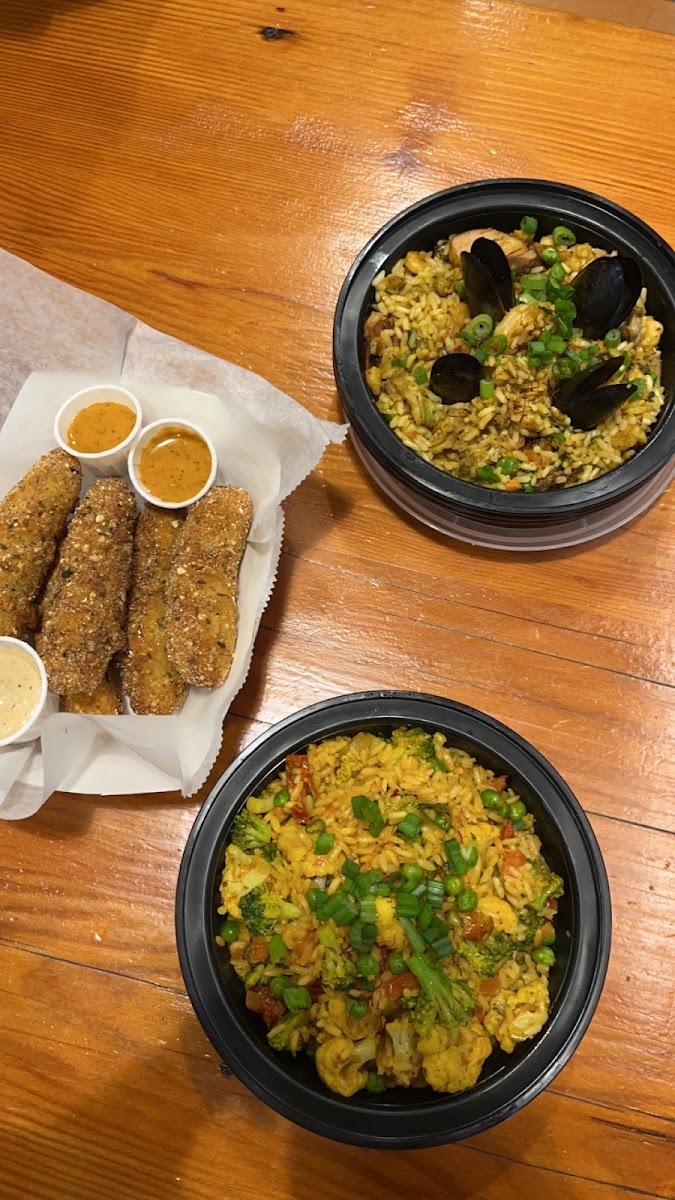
(376, 823)
(357, 1008)
(558, 345)
(229, 931)
(487, 472)
(509, 465)
(348, 887)
(412, 872)
(459, 860)
(316, 825)
(350, 868)
(544, 956)
(412, 339)
(407, 905)
(467, 900)
(639, 385)
(357, 802)
(496, 344)
(481, 327)
(558, 272)
(341, 908)
(437, 765)
(442, 948)
(567, 368)
(316, 899)
(297, 998)
(529, 225)
(612, 338)
(435, 930)
(534, 283)
(382, 889)
(537, 347)
(367, 882)
(368, 910)
(425, 918)
(481, 354)
(396, 963)
(460, 288)
(550, 256)
(452, 885)
(487, 389)
(409, 827)
(282, 797)
(361, 936)
(420, 376)
(528, 487)
(368, 966)
(435, 893)
(277, 948)
(399, 362)
(562, 236)
(324, 843)
(278, 985)
(375, 1083)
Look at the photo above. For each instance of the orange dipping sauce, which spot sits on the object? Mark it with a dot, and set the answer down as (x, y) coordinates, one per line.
(175, 465)
(100, 427)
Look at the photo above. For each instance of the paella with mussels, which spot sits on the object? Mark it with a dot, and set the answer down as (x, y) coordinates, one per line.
(386, 904)
(518, 363)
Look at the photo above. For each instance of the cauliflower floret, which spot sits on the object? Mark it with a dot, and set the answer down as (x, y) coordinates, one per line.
(297, 846)
(390, 932)
(514, 1017)
(341, 1063)
(503, 916)
(397, 1055)
(452, 1058)
(482, 833)
(243, 872)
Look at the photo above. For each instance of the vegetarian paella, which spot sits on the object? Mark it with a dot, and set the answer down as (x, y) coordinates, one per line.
(514, 362)
(386, 904)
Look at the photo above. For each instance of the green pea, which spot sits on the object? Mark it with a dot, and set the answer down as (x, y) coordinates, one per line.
(517, 810)
(544, 956)
(549, 939)
(487, 472)
(357, 1008)
(452, 885)
(491, 799)
(367, 965)
(229, 931)
(412, 872)
(396, 963)
(467, 900)
(375, 1083)
(282, 797)
(509, 465)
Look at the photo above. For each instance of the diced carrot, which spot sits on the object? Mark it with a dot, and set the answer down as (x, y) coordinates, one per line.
(489, 986)
(259, 952)
(507, 831)
(253, 1000)
(512, 485)
(514, 858)
(499, 783)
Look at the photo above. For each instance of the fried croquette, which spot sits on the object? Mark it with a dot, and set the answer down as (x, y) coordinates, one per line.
(33, 517)
(201, 620)
(104, 701)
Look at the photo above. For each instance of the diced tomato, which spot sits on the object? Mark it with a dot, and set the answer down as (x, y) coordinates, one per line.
(272, 1010)
(394, 987)
(477, 926)
(507, 831)
(259, 952)
(301, 815)
(499, 783)
(298, 767)
(514, 858)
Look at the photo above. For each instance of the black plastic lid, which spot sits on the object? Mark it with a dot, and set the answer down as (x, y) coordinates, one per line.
(401, 1118)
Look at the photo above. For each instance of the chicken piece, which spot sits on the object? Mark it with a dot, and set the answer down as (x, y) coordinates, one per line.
(341, 1063)
(452, 1059)
(83, 618)
(521, 255)
(201, 616)
(104, 701)
(151, 682)
(503, 916)
(390, 932)
(33, 517)
(373, 328)
(649, 334)
(397, 1054)
(514, 1017)
(626, 439)
(522, 323)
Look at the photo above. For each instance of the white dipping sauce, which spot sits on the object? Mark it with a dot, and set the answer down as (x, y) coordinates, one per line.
(20, 689)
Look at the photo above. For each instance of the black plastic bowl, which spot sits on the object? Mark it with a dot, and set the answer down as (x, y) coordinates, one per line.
(501, 203)
(400, 1118)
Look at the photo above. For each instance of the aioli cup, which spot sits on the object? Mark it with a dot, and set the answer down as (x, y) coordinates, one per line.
(45, 706)
(107, 462)
(149, 433)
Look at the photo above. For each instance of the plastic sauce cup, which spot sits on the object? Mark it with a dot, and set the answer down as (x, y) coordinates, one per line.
(149, 434)
(106, 462)
(45, 704)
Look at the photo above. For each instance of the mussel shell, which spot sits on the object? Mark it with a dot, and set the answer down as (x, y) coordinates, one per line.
(493, 257)
(583, 398)
(605, 292)
(455, 378)
(482, 294)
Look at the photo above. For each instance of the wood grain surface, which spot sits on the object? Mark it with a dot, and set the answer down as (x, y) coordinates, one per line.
(214, 168)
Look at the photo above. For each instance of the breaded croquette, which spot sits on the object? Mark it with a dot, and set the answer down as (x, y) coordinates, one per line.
(33, 517)
(83, 617)
(201, 620)
(151, 682)
(104, 701)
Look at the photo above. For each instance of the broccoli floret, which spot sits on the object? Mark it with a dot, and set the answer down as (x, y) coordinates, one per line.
(261, 909)
(552, 885)
(532, 922)
(269, 852)
(452, 999)
(337, 971)
(249, 832)
(423, 1013)
(487, 957)
(280, 1035)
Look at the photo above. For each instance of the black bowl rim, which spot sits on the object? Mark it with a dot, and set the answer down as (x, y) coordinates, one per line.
(354, 1121)
(408, 466)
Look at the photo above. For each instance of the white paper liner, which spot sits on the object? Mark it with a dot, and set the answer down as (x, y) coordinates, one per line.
(54, 340)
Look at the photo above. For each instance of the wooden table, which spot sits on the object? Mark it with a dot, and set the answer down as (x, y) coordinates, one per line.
(214, 168)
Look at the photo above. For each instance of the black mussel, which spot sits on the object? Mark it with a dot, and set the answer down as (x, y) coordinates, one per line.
(605, 292)
(584, 399)
(455, 378)
(487, 278)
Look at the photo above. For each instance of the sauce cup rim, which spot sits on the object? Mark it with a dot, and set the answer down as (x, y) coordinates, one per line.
(100, 454)
(141, 442)
(5, 639)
